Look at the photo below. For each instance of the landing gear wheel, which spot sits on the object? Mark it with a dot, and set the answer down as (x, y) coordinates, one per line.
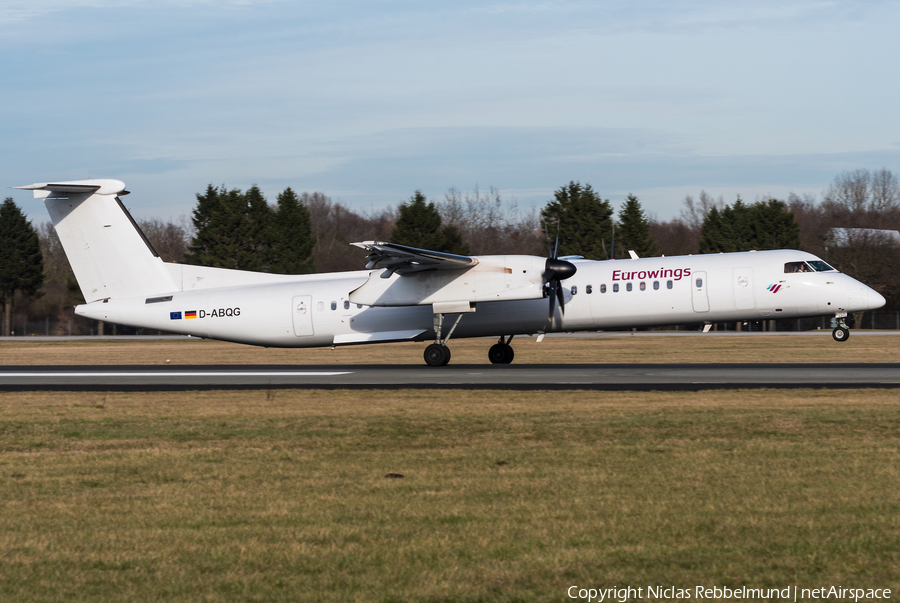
(437, 355)
(841, 333)
(501, 353)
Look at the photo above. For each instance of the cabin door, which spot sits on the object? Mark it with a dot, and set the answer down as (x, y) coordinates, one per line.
(743, 288)
(302, 312)
(698, 297)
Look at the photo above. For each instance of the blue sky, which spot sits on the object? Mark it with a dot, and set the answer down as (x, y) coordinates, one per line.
(369, 101)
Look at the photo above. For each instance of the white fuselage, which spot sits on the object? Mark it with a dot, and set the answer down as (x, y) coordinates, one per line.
(315, 310)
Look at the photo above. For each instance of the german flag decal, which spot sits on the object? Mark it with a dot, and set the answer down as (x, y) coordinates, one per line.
(190, 314)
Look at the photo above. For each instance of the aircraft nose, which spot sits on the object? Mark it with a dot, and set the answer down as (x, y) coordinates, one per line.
(875, 299)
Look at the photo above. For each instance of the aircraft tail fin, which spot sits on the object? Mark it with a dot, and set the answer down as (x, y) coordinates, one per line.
(108, 252)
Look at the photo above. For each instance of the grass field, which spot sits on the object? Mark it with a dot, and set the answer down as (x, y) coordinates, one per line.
(812, 347)
(505, 496)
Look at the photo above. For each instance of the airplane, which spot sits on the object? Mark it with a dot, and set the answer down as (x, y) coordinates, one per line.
(409, 294)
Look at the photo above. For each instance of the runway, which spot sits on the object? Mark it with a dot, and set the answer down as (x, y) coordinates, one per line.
(637, 377)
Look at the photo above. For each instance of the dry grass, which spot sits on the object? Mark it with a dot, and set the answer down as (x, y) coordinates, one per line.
(814, 347)
(506, 496)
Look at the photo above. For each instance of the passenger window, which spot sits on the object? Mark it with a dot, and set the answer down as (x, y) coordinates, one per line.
(320, 306)
(334, 305)
(628, 286)
(588, 289)
(603, 288)
(668, 284)
(655, 285)
(699, 282)
(643, 286)
(574, 290)
(615, 287)
(346, 304)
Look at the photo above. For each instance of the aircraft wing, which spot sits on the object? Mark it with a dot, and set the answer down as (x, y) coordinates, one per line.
(407, 260)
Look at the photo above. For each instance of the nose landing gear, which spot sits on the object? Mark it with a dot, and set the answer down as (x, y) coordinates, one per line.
(842, 331)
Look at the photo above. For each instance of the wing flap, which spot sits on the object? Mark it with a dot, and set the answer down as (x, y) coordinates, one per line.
(408, 260)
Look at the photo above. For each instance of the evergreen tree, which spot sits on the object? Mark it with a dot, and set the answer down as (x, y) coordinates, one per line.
(737, 221)
(291, 237)
(256, 231)
(715, 233)
(740, 227)
(232, 230)
(419, 225)
(774, 227)
(453, 241)
(582, 218)
(633, 232)
(21, 262)
(200, 249)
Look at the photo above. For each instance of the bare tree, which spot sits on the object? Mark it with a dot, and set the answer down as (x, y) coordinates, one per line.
(489, 225)
(885, 190)
(694, 213)
(674, 237)
(849, 191)
(335, 227)
(170, 240)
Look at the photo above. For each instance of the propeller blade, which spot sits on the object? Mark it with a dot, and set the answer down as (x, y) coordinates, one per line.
(556, 270)
(562, 299)
(553, 285)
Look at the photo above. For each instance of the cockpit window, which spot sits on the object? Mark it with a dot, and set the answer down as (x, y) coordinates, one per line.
(811, 266)
(820, 266)
(796, 267)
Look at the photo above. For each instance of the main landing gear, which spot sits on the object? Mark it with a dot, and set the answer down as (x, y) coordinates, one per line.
(502, 352)
(842, 331)
(438, 354)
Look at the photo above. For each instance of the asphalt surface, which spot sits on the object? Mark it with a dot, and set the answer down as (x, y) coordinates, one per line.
(639, 377)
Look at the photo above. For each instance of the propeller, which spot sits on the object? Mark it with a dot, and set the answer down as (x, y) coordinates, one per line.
(556, 270)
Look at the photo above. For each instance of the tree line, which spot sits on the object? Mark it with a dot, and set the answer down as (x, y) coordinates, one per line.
(310, 232)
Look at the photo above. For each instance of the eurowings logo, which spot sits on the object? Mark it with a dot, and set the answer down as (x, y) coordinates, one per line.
(774, 287)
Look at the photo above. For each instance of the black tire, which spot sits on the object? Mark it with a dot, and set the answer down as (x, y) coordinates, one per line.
(501, 353)
(496, 354)
(437, 355)
(841, 334)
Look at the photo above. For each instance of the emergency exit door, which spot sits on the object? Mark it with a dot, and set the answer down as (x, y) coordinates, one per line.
(699, 297)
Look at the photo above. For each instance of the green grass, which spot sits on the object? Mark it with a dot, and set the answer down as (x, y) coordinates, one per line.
(271, 496)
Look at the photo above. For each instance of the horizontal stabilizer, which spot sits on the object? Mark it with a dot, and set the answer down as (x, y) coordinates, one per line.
(101, 187)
